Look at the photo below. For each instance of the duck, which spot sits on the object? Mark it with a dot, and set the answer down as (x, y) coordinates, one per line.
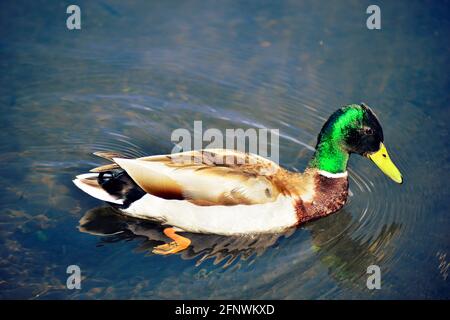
(228, 192)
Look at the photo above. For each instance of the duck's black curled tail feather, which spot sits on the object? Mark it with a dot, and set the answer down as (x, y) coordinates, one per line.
(119, 184)
(115, 187)
(110, 183)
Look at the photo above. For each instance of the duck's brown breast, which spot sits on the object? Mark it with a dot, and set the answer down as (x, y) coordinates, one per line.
(330, 195)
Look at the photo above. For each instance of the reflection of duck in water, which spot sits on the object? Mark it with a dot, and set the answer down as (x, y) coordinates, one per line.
(107, 221)
(345, 255)
(346, 258)
(231, 193)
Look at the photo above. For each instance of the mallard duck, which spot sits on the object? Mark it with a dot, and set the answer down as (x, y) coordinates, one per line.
(226, 192)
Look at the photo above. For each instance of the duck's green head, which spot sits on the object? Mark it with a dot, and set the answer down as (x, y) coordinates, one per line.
(352, 129)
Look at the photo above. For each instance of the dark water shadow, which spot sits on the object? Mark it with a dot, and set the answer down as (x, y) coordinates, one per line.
(114, 227)
(345, 256)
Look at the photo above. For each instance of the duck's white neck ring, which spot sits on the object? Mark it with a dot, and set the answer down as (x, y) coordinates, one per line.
(333, 175)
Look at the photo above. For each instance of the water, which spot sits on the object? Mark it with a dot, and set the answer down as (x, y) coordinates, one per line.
(135, 72)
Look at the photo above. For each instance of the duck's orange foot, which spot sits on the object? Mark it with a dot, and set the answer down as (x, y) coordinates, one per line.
(180, 243)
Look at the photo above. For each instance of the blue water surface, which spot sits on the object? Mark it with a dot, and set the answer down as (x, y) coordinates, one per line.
(137, 70)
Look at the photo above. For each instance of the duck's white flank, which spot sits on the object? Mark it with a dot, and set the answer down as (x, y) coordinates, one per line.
(269, 217)
(333, 175)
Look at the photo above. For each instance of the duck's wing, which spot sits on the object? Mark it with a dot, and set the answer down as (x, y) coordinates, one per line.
(206, 177)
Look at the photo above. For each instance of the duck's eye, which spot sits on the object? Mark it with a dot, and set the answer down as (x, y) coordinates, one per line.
(368, 131)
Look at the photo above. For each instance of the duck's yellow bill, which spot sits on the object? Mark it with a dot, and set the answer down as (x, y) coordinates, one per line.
(382, 160)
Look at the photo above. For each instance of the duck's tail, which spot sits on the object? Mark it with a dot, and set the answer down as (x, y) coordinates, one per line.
(109, 183)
